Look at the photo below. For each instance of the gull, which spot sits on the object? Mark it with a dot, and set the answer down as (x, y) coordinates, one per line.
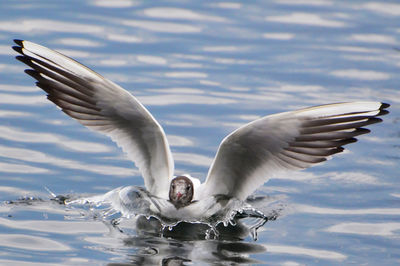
(245, 159)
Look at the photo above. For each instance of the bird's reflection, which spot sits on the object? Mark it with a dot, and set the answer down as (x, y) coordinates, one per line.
(153, 250)
(191, 231)
(152, 243)
(187, 242)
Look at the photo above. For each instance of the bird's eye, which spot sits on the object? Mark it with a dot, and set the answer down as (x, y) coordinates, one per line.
(188, 187)
(173, 186)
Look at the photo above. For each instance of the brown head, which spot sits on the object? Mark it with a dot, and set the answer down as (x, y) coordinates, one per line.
(181, 191)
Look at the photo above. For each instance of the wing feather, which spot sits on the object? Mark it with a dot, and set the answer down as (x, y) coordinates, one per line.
(103, 106)
(295, 140)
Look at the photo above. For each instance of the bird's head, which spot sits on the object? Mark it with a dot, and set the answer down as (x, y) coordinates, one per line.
(181, 191)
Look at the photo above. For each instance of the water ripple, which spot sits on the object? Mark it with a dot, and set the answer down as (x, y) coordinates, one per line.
(29, 242)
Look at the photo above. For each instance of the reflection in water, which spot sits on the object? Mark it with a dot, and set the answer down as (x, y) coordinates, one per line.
(6, 68)
(13, 191)
(306, 2)
(316, 253)
(147, 59)
(228, 61)
(123, 38)
(143, 247)
(5, 113)
(179, 141)
(376, 229)
(48, 25)
(279, 36)
(113, 4)
(374, 38)
(309, 19)
(77, 42)
(360, 74)
(392, 9)
(186, 75)
(353, 49)
(179, 13)
(146, 247)
(6, 98)
(14, 88)
(169, 99)
(331, 211)
(193, 159)
(58, 227)
(166, 27)
(21, 168)
(36, 243)
(16, 134)
(228, 49)
(5, 50)
(162, 251)
(338, 177)
(40, 157)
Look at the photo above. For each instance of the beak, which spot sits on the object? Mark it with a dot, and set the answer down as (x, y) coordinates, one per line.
(179, 195)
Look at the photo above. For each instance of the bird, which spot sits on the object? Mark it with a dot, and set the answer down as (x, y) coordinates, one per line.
(246, 158)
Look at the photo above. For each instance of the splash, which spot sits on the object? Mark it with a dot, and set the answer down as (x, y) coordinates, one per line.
(217, 217)
(133, 208)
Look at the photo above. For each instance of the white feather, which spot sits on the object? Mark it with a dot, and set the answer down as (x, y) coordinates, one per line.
(252, 154)
(103, 106)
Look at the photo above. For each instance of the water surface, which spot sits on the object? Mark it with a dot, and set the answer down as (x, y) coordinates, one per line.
(203, 69)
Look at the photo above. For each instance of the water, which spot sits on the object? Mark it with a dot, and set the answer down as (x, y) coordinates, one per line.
(203, 69)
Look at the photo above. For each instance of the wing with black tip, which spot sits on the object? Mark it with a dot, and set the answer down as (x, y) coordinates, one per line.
(295, 140)
(102, 106)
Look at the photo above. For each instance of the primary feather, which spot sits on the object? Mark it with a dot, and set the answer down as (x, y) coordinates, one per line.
(103, 106)
(295, 140)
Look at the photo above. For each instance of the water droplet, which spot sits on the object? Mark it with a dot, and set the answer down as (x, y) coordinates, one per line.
(254, 234)
(207, 234)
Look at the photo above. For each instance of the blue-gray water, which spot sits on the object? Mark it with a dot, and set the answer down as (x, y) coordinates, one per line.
(203, 69)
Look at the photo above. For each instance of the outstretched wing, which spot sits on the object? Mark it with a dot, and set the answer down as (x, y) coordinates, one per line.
(287, 141)
(102, 106)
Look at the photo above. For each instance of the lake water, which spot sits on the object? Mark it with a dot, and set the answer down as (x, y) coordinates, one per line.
(203, 69)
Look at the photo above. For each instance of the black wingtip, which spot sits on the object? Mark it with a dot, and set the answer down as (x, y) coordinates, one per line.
(33, 73)
(351, 140)
(19, 42)
(22, 59)
(382, 112)
(382, 109)
(362, 131)
(348, 141)
(30, 71)
(374, 120)
(339, 149)
(18, 49)
(47, 89)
